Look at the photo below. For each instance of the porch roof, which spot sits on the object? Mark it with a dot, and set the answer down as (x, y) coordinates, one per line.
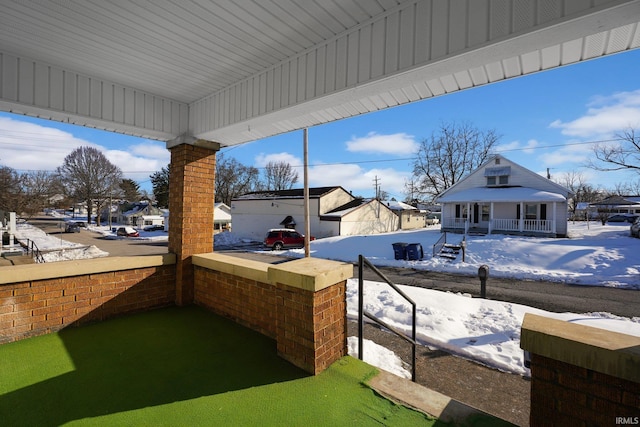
(501, 194)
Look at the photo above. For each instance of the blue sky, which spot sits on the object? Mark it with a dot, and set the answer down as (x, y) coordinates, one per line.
(546, 120)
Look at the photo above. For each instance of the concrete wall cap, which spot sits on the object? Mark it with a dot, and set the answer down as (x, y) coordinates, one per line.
(53, 270)
(311, 274)
(599, 350)
(245, 268)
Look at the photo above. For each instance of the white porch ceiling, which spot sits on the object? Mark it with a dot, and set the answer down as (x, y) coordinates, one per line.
(236, 71)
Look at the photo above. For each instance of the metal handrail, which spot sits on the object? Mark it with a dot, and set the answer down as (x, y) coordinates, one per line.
(32, 248)
(362, 313)
(437, 247)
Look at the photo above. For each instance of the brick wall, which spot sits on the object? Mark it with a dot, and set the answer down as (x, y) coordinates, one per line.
(581, 375)
(301, 304)
(565, 394)
(311, 326)
(38, 307)
(248, 302)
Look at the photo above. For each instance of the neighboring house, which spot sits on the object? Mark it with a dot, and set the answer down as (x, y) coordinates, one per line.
(410, 217)
(358, 217)
(221, 217)
(618, 204)
(333, 211)
(134, 216)
(504, 197)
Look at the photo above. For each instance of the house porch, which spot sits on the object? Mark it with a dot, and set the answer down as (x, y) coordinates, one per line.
(523, 218)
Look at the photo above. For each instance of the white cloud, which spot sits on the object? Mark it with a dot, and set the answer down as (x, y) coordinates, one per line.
(528, 148)
(262, 159)
(354, 178)
(152, 150)
(396, 144)
(30, 146)
(604, 117)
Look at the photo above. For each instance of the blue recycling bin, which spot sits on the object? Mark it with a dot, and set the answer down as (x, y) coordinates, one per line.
(399, 250)
(414, 251)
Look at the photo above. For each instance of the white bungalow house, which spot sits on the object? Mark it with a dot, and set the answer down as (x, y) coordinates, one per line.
(333, 211)
(504, 197)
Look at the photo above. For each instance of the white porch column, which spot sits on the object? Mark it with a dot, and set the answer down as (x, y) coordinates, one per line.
(491, 218)
(466, 220)
(521, 221)
(555, 220)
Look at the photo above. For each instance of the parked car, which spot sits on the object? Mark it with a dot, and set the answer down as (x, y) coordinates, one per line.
(71, 227)
(622, 218)
(278, 239)
(433, 219)
(127, 232)
(154, 227)
(635, 228)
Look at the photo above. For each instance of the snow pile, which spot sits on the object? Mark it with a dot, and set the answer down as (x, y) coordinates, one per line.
(230, 239)
(482, 330)
(82, 252)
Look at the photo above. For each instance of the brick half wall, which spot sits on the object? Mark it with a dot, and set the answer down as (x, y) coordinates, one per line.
(301, 303)
(42, 298)
(580, 375)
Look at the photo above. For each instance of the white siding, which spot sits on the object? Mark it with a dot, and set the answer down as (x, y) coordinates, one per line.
(253, 217)
(371, 218)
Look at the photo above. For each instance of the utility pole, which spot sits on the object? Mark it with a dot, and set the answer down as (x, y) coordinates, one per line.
(307, 225)
(376, 183)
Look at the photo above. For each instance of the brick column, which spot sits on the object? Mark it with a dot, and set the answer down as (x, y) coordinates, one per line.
(311, 311)
(191, 200)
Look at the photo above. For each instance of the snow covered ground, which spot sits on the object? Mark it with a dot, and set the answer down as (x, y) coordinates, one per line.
(482, 330)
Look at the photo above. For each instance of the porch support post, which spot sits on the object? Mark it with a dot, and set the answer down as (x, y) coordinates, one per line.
(521, 222)
(191, 202)
(467, 219)
(555, 219)
(491, 218)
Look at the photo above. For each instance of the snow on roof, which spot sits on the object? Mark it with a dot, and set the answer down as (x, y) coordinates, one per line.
(502, 194)
(398, 206)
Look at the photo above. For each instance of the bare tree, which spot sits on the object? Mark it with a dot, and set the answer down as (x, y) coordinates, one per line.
(12, 195)
(450, 154)
(583, 192)
(625, 154)
(89, 176)
(38, 186)
(279, 176)
(27, 193)
(234, 179)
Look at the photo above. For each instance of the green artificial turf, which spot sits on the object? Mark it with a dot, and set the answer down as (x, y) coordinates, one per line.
(178, 367)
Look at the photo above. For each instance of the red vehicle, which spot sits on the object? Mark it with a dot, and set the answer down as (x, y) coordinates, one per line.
(278, 239)
(127, 232)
